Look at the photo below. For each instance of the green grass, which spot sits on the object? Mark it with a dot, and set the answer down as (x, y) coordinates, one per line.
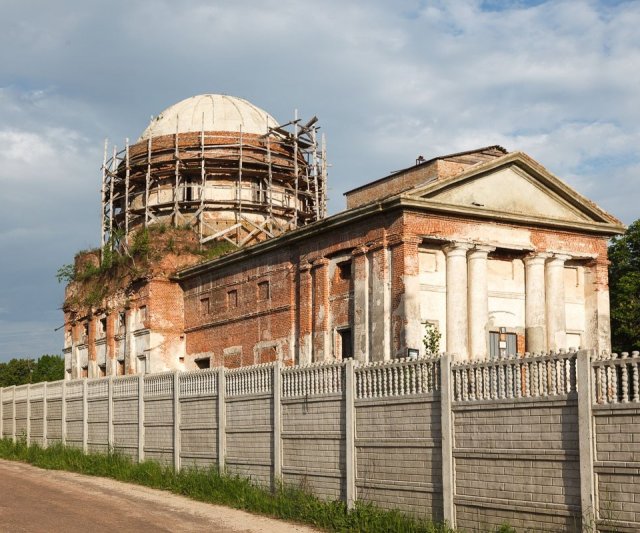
(207, 485)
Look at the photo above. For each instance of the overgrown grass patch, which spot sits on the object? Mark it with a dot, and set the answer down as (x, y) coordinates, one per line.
(208, 485)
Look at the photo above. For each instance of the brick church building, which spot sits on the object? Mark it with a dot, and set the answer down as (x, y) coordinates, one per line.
(485, 247)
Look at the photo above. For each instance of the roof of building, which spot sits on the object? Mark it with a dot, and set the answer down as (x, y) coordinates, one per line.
(468, 157)
(211, 112)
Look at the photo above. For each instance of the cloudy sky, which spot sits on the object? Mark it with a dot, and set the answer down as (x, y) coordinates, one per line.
(389, 81)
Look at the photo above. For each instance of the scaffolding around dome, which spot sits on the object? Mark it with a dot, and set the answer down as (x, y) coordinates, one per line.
(233, 186)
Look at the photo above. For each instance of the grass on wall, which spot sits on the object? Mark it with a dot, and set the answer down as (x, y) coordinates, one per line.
(207, 485)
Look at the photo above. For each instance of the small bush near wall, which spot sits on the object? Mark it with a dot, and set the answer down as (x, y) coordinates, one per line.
(207, 485)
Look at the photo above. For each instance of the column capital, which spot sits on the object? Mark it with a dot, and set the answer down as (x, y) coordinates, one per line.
(377, 245)
(480, 250)
(323, 261)
(397, 240)
(359, 250)
(456, 248)
(305, 266)
(536, 258)
(558, 259)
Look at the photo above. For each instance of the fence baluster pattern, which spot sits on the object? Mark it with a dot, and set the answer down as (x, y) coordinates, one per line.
(398, 377)
(257, 379)
(616, 378)
(198, 383)
(516, 376)
(158, 385)
(313, 380)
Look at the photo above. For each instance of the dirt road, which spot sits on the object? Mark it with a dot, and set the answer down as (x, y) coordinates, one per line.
(36, 500)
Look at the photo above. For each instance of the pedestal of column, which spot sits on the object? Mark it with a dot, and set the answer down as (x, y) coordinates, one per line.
(478, 301)
(556, 313)
(535, 306)
(457, 323)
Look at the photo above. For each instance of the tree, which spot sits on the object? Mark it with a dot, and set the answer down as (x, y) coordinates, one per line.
(624, 287)
(48, 368)
(16, 372)
(22, 371)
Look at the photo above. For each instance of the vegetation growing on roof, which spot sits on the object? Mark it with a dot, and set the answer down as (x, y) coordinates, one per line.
(156, 251)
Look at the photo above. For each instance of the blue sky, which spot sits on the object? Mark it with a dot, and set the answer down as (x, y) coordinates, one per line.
(389, 81)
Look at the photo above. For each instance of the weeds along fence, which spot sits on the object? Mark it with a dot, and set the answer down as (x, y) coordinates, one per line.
(545, 442)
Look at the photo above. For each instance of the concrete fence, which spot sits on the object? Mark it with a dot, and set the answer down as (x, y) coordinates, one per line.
(548, 442)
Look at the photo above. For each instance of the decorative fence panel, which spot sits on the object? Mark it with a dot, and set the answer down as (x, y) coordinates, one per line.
(545, 443)
(398, 435)
(54, 413)
(313, 434)
(616, 410)
(199, 418)
(515, 439)
(98, 415)
(249, 422)
(159, 417)
(126, 416)
(8, 413)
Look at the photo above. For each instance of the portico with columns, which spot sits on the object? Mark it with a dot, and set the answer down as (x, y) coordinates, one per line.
(488, 289)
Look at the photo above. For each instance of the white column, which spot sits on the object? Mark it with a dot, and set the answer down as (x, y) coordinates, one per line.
(457, 323)
(478, 301)
(535, 313)
(556, 314)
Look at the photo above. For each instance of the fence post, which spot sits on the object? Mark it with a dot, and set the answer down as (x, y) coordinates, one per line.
(176, 421)
(140, 418)
(1, 413)
(446, 414)
(110, 413)
(44, 415)
(350, 432)
(277, 423)
(63, 414)
(85, 418)
(585, 434)
(13, 433)
(29, 414)
(222, 422)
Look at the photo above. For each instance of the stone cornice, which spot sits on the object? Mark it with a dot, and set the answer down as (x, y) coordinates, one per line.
(400, 202)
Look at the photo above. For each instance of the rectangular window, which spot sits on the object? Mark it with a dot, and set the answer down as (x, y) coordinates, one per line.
(102, 370)
(344, 270)
(232, 299)
(346, 345)
(203, 363)
(122, 322)
(264, 292)
(120, 369)
(204, 306)
(84, 372)
(103, 327)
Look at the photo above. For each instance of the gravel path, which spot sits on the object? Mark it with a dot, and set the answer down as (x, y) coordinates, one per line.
(32, 499)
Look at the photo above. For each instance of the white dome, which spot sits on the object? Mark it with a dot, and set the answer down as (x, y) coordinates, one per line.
(220, 113)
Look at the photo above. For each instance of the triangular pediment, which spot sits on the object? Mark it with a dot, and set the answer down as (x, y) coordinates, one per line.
(514, 184)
